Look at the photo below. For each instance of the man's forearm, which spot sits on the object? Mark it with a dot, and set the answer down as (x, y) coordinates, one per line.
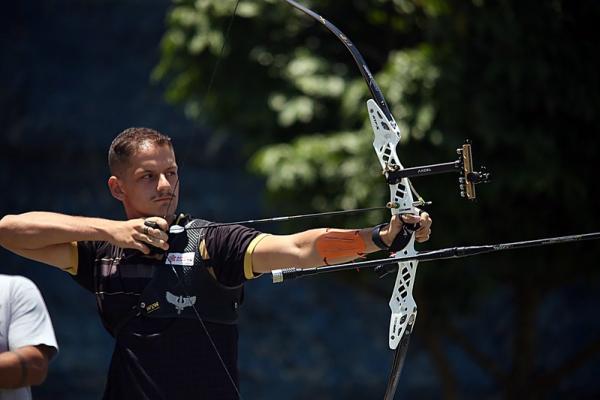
(36, 230)
(24, 367)
(333, 246)
(317, 247)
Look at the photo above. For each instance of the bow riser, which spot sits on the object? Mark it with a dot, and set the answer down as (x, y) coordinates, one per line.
(402, 304)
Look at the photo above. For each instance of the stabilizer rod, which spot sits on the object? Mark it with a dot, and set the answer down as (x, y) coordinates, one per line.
(279, 275)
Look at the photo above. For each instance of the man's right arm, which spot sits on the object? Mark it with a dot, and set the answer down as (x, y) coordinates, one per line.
(26, 366)
(46, 237)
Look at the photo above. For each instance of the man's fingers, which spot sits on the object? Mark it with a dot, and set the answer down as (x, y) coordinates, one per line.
(410, 218)
(149, 239)
(156, 242)
(141, 247)
(161, 222)
(425, 220)
(422, 239)
(153, 228)
(156, 235)
(421, 223)
(411, 222)
(422, 234)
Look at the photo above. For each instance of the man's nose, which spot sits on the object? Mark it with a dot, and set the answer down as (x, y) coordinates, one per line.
(163, 183)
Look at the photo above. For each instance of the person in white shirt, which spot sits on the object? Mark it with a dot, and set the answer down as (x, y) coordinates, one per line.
(27, 341)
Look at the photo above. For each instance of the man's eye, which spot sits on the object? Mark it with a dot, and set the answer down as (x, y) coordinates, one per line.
(147, 176)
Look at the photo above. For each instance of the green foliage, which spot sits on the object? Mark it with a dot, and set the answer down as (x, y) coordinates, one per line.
(286, 77)
(334, 166)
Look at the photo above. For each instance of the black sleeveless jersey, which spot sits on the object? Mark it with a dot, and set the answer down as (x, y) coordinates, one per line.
(162, 351)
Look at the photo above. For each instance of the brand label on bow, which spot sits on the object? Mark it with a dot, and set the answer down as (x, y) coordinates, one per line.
(180, 258)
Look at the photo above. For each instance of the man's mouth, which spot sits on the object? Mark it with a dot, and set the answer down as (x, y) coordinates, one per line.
(169, 198)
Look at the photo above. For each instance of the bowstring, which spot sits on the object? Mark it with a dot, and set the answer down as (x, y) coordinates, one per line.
(208, 335)
(183, 160)
(296, 217)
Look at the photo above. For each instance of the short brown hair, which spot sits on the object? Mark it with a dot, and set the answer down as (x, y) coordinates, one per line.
(128, 142)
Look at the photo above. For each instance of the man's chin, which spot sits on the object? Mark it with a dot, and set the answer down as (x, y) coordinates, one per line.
(166, 209)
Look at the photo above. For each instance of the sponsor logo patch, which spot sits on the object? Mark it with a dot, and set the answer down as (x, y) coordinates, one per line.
(180, 258)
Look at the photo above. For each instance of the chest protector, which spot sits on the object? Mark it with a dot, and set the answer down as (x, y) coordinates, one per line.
(183, 286)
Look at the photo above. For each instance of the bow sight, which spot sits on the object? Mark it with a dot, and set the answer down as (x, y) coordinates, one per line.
(463, 165)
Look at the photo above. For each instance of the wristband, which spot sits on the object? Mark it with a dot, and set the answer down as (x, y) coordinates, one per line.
(376, 237)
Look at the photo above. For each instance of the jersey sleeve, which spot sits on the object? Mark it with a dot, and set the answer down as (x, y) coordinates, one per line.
(85, 256)
(30, 323)
(229, 250)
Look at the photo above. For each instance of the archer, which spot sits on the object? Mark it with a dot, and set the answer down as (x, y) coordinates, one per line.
(171, 301)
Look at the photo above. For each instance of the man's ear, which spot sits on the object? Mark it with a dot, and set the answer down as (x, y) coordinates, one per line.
(115, 188)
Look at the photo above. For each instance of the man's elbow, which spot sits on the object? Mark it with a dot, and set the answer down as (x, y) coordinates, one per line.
(37, 368)
(8, 230)
(5, 223)
(38, 374)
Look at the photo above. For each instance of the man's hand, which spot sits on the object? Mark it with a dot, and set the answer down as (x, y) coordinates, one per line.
(134, 234)
(422, 234)
(397, 222)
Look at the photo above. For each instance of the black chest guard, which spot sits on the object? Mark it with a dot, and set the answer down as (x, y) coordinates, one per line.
(183, 285)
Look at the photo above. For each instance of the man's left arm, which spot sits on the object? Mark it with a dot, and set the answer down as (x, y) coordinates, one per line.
(317, 247)
(31, 338)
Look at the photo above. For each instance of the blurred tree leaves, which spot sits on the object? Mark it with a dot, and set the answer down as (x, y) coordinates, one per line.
(291, 78)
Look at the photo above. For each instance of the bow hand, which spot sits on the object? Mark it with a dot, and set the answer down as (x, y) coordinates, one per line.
(397, 233)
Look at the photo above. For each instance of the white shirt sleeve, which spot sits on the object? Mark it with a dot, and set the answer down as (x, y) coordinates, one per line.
(29, 322)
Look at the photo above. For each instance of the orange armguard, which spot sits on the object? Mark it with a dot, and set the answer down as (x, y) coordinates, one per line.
(340, 244)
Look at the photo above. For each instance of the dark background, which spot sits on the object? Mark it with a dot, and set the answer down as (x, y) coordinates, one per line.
(75, 73)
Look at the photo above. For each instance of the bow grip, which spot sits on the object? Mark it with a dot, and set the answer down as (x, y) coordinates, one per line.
(410, 228)
(403, 237)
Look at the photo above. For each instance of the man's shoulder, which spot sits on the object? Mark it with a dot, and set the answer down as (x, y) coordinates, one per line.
(20, 291)
(15, 282)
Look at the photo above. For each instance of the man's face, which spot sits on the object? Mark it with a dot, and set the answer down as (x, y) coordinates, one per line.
(148, 185)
